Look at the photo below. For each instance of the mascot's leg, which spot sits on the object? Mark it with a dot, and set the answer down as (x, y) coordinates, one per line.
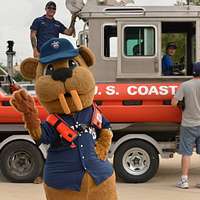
(55, 194)
(65, 194)
(89, 191)
(104, 191)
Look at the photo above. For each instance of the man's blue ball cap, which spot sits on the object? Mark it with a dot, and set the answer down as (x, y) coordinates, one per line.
(171, 45)
(57, 49)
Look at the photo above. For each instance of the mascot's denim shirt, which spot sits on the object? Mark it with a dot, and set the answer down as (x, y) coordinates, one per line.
(65, 166)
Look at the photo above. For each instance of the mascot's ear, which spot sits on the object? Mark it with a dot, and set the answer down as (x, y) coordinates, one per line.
(28, 68)
(87, 55)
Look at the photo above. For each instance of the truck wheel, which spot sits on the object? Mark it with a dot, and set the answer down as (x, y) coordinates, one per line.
(136, 161)
(21, 162)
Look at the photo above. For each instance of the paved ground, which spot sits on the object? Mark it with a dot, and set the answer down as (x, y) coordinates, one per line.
(161, 187)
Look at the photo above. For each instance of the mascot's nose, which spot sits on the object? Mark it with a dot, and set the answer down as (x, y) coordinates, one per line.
(61, 74)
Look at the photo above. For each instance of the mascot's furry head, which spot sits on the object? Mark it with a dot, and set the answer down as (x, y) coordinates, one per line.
(63, 81)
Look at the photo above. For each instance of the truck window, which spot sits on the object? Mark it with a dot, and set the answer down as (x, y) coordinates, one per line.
(139, 41)
(110, 41)
(184, 35)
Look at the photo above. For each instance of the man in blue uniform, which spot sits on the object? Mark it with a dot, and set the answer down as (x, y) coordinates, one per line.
(167, 62)
(46, 27)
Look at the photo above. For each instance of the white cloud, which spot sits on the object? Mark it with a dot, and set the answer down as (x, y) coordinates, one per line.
(17, 16)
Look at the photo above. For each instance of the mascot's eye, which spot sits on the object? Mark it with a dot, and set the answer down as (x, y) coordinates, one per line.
(72, 64)
(48, 70)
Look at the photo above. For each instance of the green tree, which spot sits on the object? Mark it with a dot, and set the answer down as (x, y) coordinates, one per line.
(17, 76)
(195, 2)
(180, 2)
(2, 66)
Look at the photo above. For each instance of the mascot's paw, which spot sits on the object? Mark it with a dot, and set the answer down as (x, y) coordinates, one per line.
(22, 101)
(103, 144)
(101, 152)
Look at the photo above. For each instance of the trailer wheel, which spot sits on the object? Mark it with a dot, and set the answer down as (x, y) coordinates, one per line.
(21, 162)
(136, 161)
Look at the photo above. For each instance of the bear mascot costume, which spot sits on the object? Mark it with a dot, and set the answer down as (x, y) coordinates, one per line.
(78, 135)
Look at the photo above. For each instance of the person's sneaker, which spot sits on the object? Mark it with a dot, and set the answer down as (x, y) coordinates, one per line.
(183, 183)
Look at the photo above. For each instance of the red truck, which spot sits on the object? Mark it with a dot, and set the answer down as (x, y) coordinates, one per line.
(143, 121)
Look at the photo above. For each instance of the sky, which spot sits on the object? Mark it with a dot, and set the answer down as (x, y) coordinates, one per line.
(17, 16)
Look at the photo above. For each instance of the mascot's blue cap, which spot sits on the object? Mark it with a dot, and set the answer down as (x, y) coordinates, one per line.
(57, 49)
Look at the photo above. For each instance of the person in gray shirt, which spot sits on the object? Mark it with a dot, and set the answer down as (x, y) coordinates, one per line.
(189, 92)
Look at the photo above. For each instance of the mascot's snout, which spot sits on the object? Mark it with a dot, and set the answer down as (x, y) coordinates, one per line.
(62, 74)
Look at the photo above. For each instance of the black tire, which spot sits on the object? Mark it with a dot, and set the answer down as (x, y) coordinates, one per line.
(136, 161)
(21, 162)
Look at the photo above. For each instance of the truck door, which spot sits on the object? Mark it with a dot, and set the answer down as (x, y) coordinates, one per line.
(138, 49)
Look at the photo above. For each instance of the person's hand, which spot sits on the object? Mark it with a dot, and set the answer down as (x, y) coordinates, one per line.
(36, 54)
(74, 16)
(72, 25)
(74, 33)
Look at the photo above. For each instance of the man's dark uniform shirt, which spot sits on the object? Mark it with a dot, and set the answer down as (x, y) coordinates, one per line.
(167, 65)
(46, 29)
(65, 166)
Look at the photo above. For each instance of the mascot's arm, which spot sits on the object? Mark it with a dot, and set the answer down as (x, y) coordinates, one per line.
(24, 103)
(103, 143)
